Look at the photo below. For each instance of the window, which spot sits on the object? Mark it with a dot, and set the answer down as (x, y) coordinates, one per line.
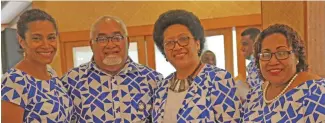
(163, 66)
(216, 45)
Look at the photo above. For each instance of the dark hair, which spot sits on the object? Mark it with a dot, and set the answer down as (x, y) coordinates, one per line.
(209, 51)
(182, 17)
(30, 16)
(293, 40)
(252, 32)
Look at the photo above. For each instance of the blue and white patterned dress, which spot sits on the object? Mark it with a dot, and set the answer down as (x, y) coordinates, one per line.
(253, 78)
(211, 98)
(42, 101)
(102, 98)
(303, 104)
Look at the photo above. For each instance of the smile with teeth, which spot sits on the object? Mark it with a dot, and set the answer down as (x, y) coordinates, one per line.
(275, 70)
(179, 55)
(112, 53)
(46, 54)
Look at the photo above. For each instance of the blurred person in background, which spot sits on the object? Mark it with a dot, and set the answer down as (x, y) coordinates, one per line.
(208, 57)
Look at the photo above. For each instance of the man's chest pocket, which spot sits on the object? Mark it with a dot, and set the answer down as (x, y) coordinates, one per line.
(142, 106)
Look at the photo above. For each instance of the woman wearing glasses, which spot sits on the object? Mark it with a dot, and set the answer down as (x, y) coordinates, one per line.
(289, 93)
(196, 92)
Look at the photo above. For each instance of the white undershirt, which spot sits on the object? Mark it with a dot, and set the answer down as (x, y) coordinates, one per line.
(173, 104)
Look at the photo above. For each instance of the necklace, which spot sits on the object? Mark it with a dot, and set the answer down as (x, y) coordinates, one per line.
(178, 85)
(282, 92)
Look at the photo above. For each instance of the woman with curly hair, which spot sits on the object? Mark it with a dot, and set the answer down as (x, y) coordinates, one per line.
(195, 92)
(289, 93)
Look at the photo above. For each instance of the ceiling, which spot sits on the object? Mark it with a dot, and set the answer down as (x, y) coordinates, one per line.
(11, 9)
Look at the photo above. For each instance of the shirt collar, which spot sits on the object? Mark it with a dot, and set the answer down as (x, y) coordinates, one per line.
(129, 66)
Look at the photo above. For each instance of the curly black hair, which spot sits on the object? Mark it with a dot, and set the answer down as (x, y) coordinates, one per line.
(31, 16)
(182, 17)
(294, 41)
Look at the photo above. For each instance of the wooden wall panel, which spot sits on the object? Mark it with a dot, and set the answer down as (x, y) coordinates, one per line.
(151, 52)
(284, 12)
(316, 36)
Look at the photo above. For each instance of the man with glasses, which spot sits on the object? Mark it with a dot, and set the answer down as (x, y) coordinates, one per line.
(111, 87)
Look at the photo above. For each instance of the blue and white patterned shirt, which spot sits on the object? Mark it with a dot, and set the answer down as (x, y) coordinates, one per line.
(303, 104)
(211, 98)
(253, 78)
(42, 101)
(102, 98)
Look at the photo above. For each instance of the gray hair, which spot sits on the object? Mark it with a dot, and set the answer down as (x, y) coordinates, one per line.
(102, 18)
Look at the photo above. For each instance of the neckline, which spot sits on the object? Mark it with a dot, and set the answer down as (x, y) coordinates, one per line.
(29, 76)
(286, 94)
(191, 76)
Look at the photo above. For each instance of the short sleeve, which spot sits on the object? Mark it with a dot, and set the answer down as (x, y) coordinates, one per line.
(14, 89)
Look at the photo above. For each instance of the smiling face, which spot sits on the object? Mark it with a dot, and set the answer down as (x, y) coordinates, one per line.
(246, 46)
(183, 53)
(40, 43)
(109, 45)
(208, 58)
(277, 71)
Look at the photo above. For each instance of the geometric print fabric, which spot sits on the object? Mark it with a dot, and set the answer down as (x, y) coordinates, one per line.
(212, 97)
(102, 98)
(42, 101)
(303, 104)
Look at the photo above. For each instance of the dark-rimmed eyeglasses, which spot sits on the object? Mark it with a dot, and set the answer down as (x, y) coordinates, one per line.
(181, 41)
(103, 40)
(280, 55)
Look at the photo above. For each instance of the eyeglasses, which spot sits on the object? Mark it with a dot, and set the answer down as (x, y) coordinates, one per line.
(103, 40)
(181, 41)
(280, 55)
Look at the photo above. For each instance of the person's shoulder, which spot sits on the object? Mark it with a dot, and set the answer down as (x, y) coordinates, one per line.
(218, 72)
(12, 74)
(145, 69)
(320, 83)
(307, 77)
(311, 81)
(81, 68)
(12, 71)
